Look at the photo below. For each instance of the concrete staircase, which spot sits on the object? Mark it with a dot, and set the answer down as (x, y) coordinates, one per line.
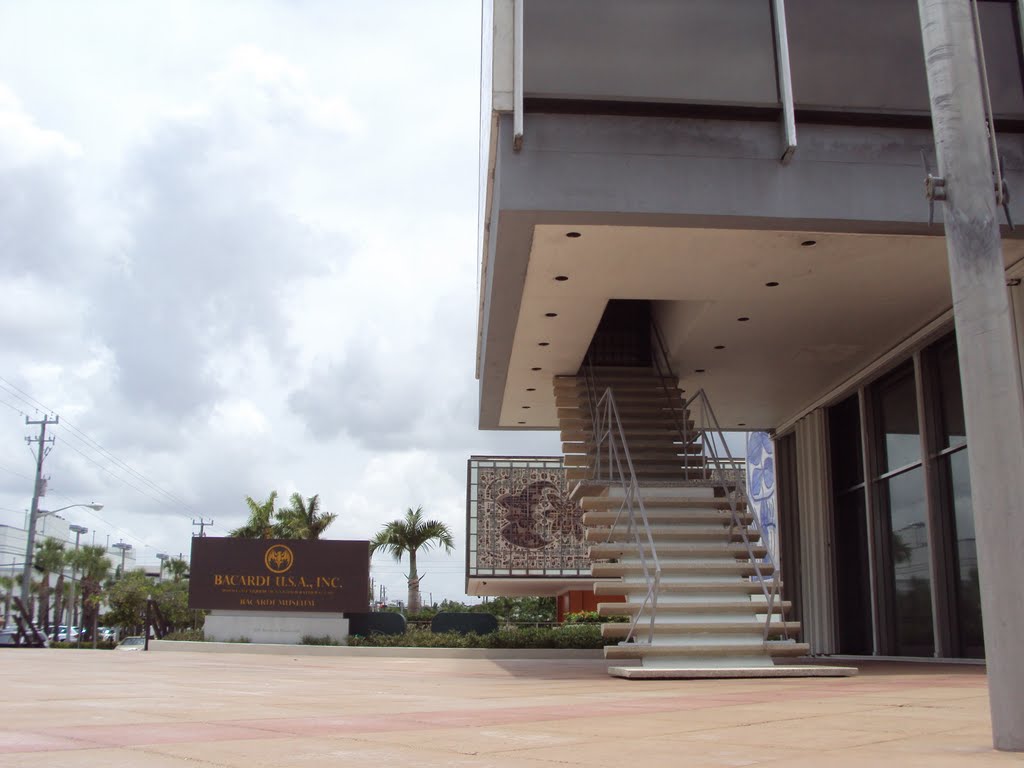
(711, 617)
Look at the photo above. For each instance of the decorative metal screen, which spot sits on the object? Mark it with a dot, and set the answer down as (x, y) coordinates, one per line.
(521, 521)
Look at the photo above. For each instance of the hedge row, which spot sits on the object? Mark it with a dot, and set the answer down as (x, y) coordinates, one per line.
(568, 636)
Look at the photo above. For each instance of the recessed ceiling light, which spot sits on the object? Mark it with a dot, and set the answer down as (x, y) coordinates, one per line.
(772, 284)
(809, 243)
(699, 370)
(742, 424)
(719, 346)
(742, 319)
(531, 389)
(561, 278)
(522, 422)
(535, 369)
(550, 314)
(526, 407)
(573, 234)
(543, 343)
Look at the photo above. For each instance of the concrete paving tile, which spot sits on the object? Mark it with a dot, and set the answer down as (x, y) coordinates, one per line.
(109, 758)
(68, 708)
(313, 753)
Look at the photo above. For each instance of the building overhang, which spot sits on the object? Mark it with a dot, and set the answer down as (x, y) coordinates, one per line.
(700, 217)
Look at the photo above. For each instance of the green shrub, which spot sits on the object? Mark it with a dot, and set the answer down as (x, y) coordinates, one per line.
(592, 617)
(101, 645)
(318, 640)
(571, 636)
(194, 635)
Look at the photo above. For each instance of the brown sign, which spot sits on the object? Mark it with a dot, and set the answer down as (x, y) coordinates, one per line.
(279, 575)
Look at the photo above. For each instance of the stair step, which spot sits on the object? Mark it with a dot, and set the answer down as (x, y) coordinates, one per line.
(771, 648)
(619, 534)
(621, 628)
(578, 433)
(718, 586)
(654, 502)
(657, 396)
(630, 608)
(664, 549)
(656, 516)
(673, 567)
(646, 461)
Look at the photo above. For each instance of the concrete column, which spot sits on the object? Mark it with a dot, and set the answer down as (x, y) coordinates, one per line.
(993, 406)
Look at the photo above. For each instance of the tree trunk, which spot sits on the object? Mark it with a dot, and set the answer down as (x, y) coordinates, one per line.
(414, 584)
(58, 605)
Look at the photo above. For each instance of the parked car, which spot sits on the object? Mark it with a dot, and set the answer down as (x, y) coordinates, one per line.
(63, 636)
(134, 643)
(9, 638)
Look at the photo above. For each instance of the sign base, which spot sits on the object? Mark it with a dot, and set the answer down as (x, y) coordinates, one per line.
(284, 627)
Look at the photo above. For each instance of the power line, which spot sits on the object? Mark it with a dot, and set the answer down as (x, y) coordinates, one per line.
(90, 443)
(116, 477)
(110, 525)
(16, 474)
(12, 407)
(21, 394)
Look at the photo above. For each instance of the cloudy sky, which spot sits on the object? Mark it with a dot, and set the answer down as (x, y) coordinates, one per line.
(238, 254)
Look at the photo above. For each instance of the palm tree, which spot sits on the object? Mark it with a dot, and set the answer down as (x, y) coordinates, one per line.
(94, 566)
(303, 519)
(410, 534)
(50, 558)
(178, 568)
(260, 524)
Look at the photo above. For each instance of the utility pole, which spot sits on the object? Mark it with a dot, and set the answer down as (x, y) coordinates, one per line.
(202, 525)
(37, 491)
(993, 404)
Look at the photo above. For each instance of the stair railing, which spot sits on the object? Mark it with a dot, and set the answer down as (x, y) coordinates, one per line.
(688, 437)
(617, 469)
(727, 472)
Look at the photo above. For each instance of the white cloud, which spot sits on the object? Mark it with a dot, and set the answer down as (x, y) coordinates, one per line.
(238, 247)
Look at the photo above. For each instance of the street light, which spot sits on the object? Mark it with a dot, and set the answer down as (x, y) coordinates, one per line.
(33, 518)
(73, 610)
(124, 547)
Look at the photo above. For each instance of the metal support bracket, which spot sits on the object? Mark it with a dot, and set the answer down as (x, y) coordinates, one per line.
(935, 190)
(785, 79)
(517, 76)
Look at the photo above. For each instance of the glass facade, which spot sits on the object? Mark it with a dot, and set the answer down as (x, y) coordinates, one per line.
(905, 563)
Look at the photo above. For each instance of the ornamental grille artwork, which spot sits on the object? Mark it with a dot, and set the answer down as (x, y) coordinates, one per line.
(522, 521)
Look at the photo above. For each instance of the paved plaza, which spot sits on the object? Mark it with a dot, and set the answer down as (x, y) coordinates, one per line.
(199, 710)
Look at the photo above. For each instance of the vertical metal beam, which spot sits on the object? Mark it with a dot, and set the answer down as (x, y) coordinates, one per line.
(993, 406)
(867, 461)
(517, 77)
(940, 606)
(785, 77)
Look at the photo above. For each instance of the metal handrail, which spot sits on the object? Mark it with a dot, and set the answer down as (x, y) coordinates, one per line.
(719, 466)
(610, 436)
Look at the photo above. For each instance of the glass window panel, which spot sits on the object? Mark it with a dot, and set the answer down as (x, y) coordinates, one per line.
(853, 582)
(951, 405)
(704, 51)
(897, 417)
(844, 58)
(911, 564)
(1002, 62)
(968, 597)
(844, 440)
